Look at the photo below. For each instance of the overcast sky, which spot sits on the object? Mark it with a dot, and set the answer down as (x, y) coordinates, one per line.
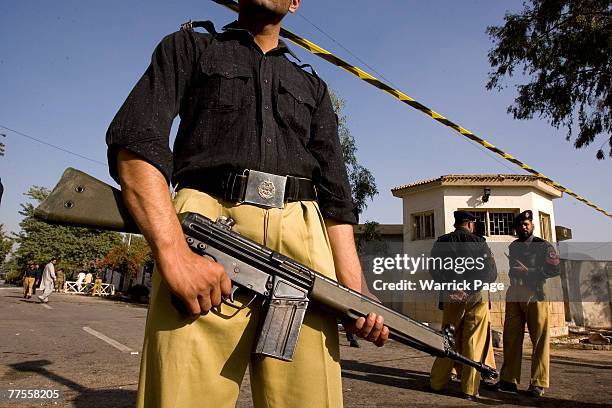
(67, 66)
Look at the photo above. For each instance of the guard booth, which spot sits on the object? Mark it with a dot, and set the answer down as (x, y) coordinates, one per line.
(495, 199)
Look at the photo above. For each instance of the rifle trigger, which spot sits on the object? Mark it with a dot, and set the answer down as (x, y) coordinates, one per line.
(231, 296)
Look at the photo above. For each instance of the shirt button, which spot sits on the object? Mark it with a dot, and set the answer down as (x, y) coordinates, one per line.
(266, 107)
(269, 140)
(265, 81)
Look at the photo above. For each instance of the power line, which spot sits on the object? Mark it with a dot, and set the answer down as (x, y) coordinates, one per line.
(473, 144)
(344, 48)
(53, 146)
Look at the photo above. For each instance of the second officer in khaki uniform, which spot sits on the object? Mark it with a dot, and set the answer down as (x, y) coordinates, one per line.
(532, 261)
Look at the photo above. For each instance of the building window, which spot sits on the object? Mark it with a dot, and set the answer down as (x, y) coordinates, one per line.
(423, 226)
(496, 222)
(500, 223)
(545, 230)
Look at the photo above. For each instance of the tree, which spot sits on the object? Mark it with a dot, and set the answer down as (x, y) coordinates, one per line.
(128, 256)
(75, 247)
(563, 48)
(6, 244)
(363, 184)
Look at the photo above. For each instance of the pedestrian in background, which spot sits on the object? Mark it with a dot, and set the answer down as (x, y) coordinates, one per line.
(37, 277)
(80, 279)
(47, 281)
(29, 277)
(97, 288)
(88, 279)
(59, 281)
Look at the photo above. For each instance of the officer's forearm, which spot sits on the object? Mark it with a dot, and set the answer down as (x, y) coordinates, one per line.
(147, 197)
(346, 260)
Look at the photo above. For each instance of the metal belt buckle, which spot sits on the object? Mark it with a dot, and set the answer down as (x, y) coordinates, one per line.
(265, 189)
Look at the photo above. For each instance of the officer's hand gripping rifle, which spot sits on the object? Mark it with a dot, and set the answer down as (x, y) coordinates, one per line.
(285, 286)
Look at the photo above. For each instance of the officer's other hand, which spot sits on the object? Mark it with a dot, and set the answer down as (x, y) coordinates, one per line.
(371, 328)
(197, 281)
(458, 296)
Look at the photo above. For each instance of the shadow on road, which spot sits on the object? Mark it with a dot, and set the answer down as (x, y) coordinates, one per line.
(394, 377)
(419, 381)
(580, 363)
(86, 397)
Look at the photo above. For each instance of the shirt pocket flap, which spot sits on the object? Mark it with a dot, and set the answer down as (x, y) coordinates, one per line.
(226, 71)
(300, 94)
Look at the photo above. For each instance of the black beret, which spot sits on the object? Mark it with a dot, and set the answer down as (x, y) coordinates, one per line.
(526, 215)
(463, 216)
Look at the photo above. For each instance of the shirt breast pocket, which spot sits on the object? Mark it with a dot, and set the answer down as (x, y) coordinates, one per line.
(226, 87)
(295, 106)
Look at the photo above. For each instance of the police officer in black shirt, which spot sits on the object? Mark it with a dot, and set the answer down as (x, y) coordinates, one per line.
(257, 142)
(466, 310)
(532, 260)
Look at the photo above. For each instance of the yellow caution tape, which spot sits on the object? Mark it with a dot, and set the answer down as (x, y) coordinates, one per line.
(358, 72)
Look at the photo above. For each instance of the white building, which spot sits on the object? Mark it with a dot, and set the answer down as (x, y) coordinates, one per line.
(428, 205)
(495, 200)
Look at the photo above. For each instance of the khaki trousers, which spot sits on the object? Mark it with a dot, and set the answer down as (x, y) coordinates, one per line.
(489, 353)
(28, 284)
(471, 323)
(535, 314)
(97, 287)
(201, 363)
(59, 285)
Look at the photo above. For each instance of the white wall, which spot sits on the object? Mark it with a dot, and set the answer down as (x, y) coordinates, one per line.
(542, 202)
(470, 197)
(424, 201)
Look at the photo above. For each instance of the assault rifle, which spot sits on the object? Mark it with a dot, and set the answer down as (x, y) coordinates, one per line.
(284, 286)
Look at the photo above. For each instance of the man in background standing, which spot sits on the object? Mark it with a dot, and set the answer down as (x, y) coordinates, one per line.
(59, 281)
(79, 281)
(97, 288)
(88, 279)
(466, 310)
(532, 261)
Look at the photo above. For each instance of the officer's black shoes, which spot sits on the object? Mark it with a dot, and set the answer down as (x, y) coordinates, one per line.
(535, 391)
(489, 385)
(470, 397)
(507, 387)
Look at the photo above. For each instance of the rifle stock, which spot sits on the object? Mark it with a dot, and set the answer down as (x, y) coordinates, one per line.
(285, 285)
(81, 200)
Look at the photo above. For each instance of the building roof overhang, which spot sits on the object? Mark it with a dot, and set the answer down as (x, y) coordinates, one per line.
(471, 180)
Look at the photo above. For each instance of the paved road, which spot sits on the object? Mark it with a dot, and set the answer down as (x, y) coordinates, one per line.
(48, 348)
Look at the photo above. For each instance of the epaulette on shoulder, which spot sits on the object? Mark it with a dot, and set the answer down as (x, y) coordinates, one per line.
(207, 25)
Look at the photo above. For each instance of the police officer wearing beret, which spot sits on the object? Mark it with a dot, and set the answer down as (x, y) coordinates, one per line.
(466, 310)
(532, 260)
(251, 121)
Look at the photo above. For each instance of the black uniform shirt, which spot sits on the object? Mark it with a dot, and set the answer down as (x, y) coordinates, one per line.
(462, 244)
(538, 255)
(239, 109)
(31, 272)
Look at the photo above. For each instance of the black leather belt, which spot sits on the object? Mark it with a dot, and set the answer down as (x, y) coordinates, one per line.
(253, 187)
